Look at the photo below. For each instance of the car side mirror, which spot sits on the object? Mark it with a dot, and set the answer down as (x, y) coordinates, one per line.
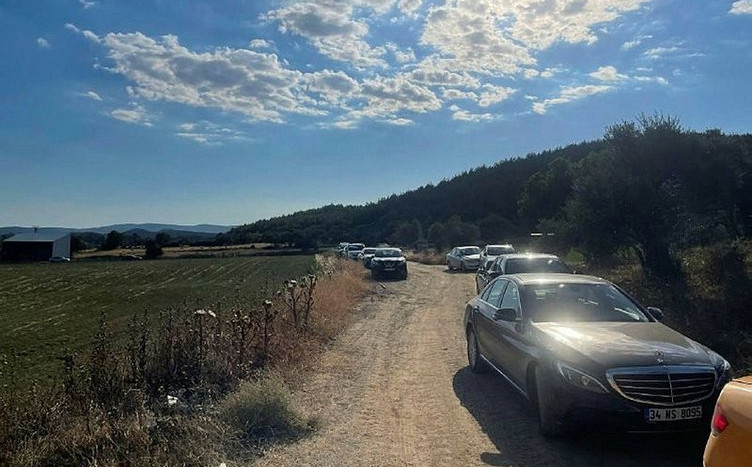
(656, 313)
(506, 314)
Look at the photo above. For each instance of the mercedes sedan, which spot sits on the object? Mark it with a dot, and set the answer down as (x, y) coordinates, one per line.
(585, 353)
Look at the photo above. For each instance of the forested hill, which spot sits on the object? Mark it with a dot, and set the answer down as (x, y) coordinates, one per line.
(650, 185)
(486, 197)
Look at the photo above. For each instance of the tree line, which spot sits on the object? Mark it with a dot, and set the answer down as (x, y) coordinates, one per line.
(649, 186)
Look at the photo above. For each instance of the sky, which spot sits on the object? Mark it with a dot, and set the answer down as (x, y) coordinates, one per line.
(226, 112)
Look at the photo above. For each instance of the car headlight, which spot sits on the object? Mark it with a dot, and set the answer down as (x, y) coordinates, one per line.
(580, 379)
(724, 372)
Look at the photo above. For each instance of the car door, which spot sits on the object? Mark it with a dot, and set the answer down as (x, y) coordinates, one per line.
(484, 318)
(512, 337)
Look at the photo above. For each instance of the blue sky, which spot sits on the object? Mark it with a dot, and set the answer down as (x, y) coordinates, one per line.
(227, 112)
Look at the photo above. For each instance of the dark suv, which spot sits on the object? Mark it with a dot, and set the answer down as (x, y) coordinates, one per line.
(584, 352)
(388, 262)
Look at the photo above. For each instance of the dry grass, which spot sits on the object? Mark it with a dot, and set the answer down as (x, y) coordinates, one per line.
(180, 391)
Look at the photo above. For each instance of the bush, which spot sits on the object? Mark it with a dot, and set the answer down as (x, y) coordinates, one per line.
(260, 410)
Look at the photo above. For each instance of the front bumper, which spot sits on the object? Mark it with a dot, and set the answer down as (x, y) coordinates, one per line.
(578, 408)
(399, 269)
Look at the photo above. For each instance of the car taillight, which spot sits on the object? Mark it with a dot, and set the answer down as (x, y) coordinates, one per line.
(719, 422)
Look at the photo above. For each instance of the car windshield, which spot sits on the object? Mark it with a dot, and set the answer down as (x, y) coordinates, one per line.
(389, 253)
(471, 250)
(355, 246)
(566, 302)
(523, 265)
(499, 250)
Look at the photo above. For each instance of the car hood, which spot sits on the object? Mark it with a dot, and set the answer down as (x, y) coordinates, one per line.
(611, 345)
(475, 257)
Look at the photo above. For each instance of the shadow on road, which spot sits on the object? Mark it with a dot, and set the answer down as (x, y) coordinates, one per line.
(504, 416)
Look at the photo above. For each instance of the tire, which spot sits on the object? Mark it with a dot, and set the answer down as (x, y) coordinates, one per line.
(404, 275)
(548, 422)
(449, 266)
(475, 362)
(374, 274)
(462, 266)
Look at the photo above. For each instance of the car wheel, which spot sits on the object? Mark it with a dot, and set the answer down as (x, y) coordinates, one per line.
(449, 265)
(374, 274)
(462, 266)
(548, 422)
(474, 360)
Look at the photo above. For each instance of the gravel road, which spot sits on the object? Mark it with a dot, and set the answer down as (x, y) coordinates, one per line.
(395, 390)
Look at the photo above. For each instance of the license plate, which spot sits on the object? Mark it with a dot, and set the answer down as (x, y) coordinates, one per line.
(670, 415)
(389, 268)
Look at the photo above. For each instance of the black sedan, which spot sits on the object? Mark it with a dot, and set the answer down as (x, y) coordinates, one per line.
(517, 264)
(585, 353)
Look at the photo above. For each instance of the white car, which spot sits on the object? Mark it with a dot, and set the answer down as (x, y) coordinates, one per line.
(352, 250)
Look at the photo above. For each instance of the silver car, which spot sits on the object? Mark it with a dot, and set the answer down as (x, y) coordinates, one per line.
(463, 258)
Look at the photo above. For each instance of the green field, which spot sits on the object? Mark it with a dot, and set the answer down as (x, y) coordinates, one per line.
(48, 308)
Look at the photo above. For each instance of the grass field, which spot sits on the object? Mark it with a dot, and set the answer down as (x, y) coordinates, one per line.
(48, 308)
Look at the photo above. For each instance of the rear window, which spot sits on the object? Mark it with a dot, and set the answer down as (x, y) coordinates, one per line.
(355, 246)
(470, 250)
(523, 265)
(499, 250)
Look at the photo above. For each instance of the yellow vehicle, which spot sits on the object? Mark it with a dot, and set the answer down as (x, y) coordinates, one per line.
(730, 441)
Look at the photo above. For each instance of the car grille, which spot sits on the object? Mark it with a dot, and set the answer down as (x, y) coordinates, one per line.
(663, 385)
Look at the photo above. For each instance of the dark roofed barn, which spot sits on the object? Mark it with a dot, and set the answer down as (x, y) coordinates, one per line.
(35, 246)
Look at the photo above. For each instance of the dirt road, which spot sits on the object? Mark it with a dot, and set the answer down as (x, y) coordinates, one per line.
(395, 390)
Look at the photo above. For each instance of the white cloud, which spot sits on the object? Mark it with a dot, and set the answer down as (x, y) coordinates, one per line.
(210, 133)
(494, 94)
(87, 4)
(253, 83)
(399, 121)
(741, 7)
(658, 52)
(401, 55)
(500, 37)
(608, 74)
(260, 44)
(137, 115)
(43, 43)
(456, 94)
(569, 94)
(467, 49)
(329, 25)
(629, 45)
(409, 7)
(466, 116)
(652, 79)
(91, 95)
(84, 32)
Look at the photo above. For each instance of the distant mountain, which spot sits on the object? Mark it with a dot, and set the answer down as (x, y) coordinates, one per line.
(175, 230)
(200, 228)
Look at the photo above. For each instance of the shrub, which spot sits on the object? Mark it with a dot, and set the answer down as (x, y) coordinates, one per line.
(260, 410)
